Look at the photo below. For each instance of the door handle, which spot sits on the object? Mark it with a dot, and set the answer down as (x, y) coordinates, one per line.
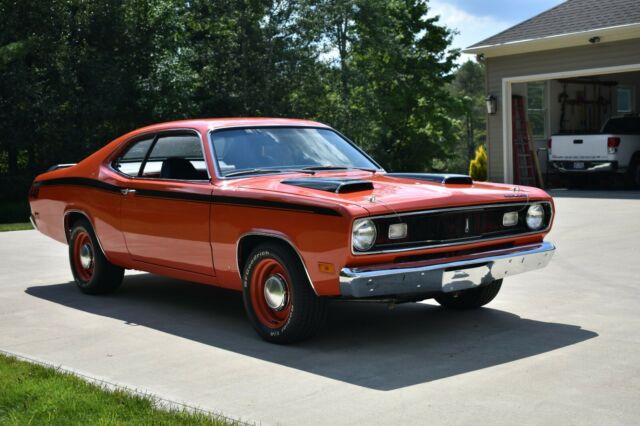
(127, 191)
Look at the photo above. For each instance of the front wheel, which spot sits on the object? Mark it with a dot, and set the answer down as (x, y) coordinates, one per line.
(93, 273)
(471, 298)
(278, 297)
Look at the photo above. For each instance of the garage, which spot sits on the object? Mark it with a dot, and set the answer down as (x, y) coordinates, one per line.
(565, 71)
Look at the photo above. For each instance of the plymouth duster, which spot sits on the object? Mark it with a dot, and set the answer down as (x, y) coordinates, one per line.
(290, 213)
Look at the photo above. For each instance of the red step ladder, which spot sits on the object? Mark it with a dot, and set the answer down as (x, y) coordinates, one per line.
(524, 162)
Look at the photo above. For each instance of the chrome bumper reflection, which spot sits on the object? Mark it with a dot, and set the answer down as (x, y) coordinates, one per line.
(416, 279)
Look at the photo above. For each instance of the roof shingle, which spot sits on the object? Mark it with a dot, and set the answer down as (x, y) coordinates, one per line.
(570, 17)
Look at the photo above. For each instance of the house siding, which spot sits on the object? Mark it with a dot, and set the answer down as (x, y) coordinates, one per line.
(560, 60)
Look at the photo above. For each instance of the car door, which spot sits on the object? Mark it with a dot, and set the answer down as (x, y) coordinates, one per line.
(166, 204)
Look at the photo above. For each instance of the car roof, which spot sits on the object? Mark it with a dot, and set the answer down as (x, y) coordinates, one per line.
(220, 123)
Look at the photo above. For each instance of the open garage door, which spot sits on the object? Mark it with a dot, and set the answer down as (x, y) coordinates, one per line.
(566, 102)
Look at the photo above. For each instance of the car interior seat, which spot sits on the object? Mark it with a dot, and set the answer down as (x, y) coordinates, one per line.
(179, 168)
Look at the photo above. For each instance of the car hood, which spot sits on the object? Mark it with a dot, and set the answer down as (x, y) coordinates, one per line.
(382, 193)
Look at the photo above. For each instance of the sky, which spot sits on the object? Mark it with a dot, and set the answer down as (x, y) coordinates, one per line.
(476, 20)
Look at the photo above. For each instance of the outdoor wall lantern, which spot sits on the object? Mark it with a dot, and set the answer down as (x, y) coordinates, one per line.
(492, 105)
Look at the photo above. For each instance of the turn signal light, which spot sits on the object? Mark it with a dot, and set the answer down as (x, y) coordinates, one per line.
(325, 267)
(612, 145)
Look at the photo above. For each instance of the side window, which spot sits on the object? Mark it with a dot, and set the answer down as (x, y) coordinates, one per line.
(176, 157)
(129, 163)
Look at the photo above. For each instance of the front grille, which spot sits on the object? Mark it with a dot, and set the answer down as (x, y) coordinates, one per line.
(454, 226)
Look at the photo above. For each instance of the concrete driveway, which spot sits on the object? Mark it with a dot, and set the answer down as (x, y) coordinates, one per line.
(557, 346)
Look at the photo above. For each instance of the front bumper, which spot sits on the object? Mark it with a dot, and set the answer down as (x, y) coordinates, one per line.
(426, 277)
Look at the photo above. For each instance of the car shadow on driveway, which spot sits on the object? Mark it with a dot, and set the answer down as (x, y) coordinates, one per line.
(364, 344)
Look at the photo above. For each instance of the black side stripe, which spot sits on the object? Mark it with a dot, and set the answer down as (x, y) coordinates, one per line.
(190, 196)
(92, 183)
(252, 202)
(187, 196)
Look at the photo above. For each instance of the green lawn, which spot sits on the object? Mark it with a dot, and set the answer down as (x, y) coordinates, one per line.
(32, 394)
(15, 226)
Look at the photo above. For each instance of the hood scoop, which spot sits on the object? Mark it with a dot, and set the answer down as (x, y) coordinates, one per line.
(336, 185)
(442, 178)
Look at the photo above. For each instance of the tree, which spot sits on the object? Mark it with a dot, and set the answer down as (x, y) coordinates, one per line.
(393, 64)
(468, 88)
(77, 73)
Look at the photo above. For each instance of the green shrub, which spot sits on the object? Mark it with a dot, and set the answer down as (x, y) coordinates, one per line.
(478, 166)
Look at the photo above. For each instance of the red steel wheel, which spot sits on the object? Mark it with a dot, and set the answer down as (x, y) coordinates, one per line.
(83, 256)
(93, 273)
(278, 297)
(271, 293)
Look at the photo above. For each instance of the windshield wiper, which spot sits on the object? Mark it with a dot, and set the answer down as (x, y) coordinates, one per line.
(252, 172)
(339, 168)
(259, 171)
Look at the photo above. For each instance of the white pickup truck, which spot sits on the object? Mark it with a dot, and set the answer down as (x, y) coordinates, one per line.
(616, 149)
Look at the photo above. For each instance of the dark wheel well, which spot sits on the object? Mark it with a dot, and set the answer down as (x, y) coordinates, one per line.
(70, 219)
(248, 243)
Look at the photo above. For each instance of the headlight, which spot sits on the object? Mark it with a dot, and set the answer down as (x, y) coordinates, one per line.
(363, 234)
(535, 216)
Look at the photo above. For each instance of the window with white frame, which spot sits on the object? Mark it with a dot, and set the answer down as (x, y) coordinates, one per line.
(624, 99)
(536, 109)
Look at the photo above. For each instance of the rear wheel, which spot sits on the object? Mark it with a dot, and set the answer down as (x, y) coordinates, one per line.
(278, 297)
(93, 273)
(634, 173)
(471, 298)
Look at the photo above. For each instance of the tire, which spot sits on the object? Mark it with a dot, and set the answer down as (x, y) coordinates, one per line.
(93, 273)
(292, 314)
(471, 298)
(633, 177)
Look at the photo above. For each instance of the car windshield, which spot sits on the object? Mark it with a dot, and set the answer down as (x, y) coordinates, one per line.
(273, 149)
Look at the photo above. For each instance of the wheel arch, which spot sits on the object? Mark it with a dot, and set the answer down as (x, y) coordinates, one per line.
(71, 216)
(250, 240)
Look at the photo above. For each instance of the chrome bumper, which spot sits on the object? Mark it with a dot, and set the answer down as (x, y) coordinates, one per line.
(33, 221)
(483, 268)
(603, 167)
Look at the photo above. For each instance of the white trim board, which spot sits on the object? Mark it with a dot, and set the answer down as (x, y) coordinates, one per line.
(507, 136)
(558, 41)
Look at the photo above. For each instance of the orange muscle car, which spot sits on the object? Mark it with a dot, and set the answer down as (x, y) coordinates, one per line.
(291, 213)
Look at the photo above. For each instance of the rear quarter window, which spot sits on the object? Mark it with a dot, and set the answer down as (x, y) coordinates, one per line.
(130, 161)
